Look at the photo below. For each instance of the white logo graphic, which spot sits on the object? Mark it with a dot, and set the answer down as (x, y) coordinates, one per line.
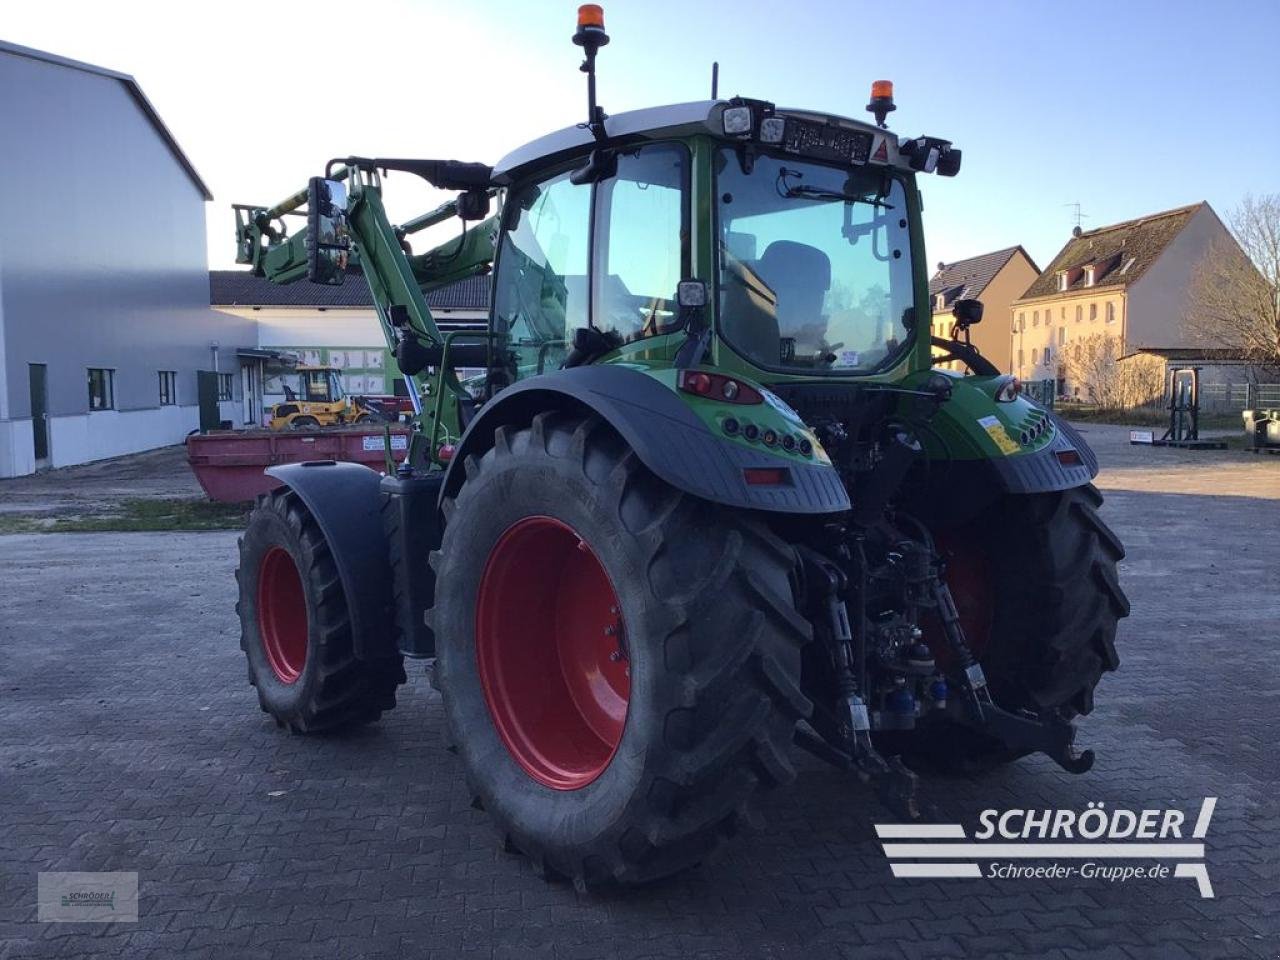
(1089, 836)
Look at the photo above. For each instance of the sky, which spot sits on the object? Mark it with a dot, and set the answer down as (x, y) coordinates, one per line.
(1127, 107)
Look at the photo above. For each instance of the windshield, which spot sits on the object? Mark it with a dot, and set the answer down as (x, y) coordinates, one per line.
(815, 265)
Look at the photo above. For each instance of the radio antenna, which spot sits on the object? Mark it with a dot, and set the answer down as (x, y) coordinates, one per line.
(715, 80)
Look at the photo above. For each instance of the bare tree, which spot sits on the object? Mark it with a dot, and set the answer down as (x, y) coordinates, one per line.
(1234, 296)
(1093, 363)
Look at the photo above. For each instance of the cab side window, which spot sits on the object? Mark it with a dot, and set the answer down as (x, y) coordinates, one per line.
(642, 242)
(541, 295)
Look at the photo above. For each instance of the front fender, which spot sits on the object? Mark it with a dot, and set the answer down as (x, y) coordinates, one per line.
(344, 499)
(670, 439)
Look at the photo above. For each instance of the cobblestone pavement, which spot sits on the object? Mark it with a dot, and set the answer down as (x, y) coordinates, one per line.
(129, 740)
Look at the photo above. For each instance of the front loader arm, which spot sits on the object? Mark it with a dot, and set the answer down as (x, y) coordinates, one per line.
(398, 280)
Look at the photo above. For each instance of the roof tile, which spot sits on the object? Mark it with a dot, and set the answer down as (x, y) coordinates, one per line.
(240, 288)
(966, 279)
(1112, 249)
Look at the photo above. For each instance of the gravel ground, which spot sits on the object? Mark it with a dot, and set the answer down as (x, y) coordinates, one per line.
(132, 742)
(157, 475)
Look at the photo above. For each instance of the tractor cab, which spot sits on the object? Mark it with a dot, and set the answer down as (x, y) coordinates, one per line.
(789, 241)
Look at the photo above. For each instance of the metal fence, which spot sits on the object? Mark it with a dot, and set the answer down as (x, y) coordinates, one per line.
(1239, 396)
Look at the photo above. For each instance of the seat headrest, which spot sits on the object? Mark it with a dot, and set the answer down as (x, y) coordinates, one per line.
(787, 260)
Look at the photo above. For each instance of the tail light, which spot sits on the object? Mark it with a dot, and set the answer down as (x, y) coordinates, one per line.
(716, 386)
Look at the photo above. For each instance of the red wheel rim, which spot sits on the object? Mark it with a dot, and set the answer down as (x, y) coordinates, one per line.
(551, 651)
(282, 615)
(968, 575)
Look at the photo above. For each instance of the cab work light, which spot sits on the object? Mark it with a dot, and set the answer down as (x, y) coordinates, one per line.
(737, 121)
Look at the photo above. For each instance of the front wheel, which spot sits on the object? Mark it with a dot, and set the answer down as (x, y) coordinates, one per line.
(295, 628)
(619, 662)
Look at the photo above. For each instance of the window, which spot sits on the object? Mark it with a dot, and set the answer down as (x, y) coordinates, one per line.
(168, 388)
(1089, 273)
(1022, 322)
(102, 389)
(1035, 318)
(1062, 280)
(1019, 359)
(1062, 314)
(641, 250)
(541, 295)
(1047, 356)
(1062, 335)
(224, 386)
(1111, 312)
(1035, 356)
(796, 293)
(1079, 313)
(1093, 312)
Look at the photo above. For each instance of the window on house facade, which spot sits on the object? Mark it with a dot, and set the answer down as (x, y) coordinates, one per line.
(168, 388)
(1093, 312)
(1062, 314)
(102, 388)
(1022, 322)
(940, 302)
(1062, 280)
(1035, 318)
(1079, 313)
(1047, 356)
(1019, 359)
(1035, 356)
(1111, 313)
(1062, 335)
(224, 386)
(1088, 276)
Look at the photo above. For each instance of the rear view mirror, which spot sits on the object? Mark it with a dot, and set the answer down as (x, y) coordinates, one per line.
(967, 312)
(328, 236)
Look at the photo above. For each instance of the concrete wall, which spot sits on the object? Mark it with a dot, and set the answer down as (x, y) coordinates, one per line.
(103, 265)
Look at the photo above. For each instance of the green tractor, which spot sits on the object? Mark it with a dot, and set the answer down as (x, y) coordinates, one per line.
(708, 500)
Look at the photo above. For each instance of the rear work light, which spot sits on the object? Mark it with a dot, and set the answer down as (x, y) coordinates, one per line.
(1069, 457)
(716, 386)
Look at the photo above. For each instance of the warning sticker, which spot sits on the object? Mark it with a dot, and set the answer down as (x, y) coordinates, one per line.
(996, 431)
(882, 152)
(398, 442)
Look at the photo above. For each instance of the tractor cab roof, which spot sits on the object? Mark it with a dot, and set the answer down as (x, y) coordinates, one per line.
(802, 132)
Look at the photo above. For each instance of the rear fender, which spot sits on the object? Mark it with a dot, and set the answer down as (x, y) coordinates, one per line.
(344, 498)
(980, 450)
(670, 439)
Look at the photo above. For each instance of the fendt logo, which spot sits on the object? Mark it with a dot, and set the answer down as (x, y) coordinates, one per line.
(1093, 844)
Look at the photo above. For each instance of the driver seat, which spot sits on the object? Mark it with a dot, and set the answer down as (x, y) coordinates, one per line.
(800, 276)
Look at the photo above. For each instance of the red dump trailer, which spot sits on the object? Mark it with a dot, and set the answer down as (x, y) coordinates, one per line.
(230, 464)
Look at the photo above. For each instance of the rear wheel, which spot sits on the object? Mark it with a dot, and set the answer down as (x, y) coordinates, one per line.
(619, 662)
(304, 423)
(295, 629)
(1036, 588)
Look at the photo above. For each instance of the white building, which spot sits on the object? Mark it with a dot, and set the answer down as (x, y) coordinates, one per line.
(327, 325)
(107, 342)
